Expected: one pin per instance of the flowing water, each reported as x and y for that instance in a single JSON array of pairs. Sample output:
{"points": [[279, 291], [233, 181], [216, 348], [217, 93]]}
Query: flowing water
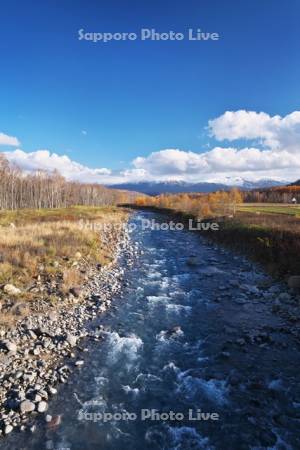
{"points": [[198, 342]]}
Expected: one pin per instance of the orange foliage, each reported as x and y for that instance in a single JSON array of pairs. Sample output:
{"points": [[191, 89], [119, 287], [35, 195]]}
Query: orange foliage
{"points": [[200, 205]]}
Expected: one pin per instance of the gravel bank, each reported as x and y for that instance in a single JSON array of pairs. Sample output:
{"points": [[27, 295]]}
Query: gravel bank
{"points": [[42, 350]]}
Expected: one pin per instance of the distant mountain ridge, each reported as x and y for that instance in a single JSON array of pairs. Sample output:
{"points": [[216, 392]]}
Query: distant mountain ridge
{"points": [[175, 187], [296, 183]]}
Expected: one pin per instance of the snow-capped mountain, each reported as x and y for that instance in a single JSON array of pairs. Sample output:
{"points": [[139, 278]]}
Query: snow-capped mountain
{"points": [[177, 186]]}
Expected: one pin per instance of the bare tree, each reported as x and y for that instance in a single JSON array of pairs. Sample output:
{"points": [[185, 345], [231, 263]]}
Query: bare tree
{"points": [[50, 190]]}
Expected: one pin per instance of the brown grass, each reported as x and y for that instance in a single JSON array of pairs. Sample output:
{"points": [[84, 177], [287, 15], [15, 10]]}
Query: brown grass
{"points": [[270, 221], [271, 239], [71, 278], [41, 246]]}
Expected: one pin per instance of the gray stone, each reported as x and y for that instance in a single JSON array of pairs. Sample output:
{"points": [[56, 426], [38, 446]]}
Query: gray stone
{"points": [[52, 390], [10, 289], [53, 316], [71, 340], [79, 363], [10, 346], [42, 406], [76, 291], [27, 406], [8, 429]]}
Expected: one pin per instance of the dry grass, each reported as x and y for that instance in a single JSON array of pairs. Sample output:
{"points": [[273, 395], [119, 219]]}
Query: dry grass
{"points": [[71, 278], [43, 245], [23, 248], [72, 214], [266, 234], [270, 221]]}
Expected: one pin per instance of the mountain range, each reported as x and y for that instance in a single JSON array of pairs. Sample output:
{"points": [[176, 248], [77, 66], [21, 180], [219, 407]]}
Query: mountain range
{"points": [[175, 187]]}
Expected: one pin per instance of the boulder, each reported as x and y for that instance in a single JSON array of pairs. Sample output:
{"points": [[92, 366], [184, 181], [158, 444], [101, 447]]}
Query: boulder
{"points": [[71, 339], [53, 316], [42, 406], [10, 346], [8, 429], [27, 406], [76, 291], [10, 289], [79, 363], [52, 390], [21, 309]]}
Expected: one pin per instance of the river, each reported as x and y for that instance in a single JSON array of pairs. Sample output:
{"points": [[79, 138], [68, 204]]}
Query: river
{"points": [[191, 356]]}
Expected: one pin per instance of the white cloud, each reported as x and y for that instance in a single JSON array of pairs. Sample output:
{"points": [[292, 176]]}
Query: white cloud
{"points": [[8, 140], [275, 132], [274, 153], [44, 160], [171, 162], [252, 163]]}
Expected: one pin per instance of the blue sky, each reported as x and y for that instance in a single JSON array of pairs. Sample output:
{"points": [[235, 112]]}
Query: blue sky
{"points": [[104, 105]]}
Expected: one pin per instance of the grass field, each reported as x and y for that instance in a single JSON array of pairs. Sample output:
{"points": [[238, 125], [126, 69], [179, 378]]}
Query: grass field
{"points": [[270, 208], [49, 246], [75, 213], [270, 216], [270, 233]]}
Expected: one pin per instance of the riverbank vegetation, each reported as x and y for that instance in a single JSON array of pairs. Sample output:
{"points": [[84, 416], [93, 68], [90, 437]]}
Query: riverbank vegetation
{"points": [[270, 238], [214, 204], [46, 242], [43, 252], [269, 233]]}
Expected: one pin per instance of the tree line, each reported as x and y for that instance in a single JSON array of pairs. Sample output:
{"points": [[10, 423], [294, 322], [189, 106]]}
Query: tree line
{"points": [[278, 194], [200, 205], [50, 190]]}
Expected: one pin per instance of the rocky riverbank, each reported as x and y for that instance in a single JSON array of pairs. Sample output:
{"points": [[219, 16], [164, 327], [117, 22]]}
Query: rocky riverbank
{"points": [[41, 351]]}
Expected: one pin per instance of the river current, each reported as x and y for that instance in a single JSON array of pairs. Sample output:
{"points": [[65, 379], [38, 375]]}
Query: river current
{"points": [[191, 356]]}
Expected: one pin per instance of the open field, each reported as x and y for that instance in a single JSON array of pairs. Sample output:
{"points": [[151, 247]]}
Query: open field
{"points": [[270, 216], [48, 247], [267, 232], [270, 233], [270, 208], [75, 213]]}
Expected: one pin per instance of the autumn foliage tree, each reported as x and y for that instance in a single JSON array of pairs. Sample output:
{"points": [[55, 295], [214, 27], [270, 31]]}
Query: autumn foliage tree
{"points": [[200, 205]]}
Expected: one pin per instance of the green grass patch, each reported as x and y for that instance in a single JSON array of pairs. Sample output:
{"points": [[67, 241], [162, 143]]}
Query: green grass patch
{"points": [[271, 209]]}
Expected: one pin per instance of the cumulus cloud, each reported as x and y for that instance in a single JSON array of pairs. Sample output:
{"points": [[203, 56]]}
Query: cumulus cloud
{"points": [[44, 160], [171, 162], [275, 132], [8, 140], [273, 153], [251, 162]]}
